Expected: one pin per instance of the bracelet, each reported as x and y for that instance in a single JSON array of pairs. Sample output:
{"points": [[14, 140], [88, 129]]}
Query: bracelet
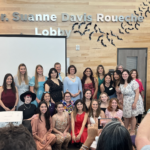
{"points": [[85, 146]]}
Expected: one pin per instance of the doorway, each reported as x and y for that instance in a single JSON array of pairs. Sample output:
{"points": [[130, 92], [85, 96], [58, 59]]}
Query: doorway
{"points": [[134, 58]]}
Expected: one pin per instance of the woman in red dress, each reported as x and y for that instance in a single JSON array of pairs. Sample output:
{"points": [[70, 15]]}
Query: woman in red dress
{"points": [[78, 121], [90, 82]]}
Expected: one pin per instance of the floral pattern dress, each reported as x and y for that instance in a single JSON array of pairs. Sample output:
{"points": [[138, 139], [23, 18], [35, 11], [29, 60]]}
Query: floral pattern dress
{"points": [[128, 99]]}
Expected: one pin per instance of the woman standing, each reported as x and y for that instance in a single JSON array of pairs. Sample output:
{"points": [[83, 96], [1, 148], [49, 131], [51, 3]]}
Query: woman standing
{"points": [[132, 101], [108, 87], [100, 78], [113, 109], [120, 67], [22, 81], [37, 84], [61, 124], [117, 79], [78, 121], [42, 128], [8, 94], [72, 84], [68, 103], [134, 75], [54, 86], [87, 98], [51, 106], [89, 82]]}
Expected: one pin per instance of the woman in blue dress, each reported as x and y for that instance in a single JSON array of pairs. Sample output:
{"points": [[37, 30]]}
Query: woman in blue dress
{"points": [[72, 84], [22, 82], [37, 84]]}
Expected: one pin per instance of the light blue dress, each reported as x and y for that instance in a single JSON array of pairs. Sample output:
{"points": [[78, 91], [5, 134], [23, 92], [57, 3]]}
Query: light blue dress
{"points": [[21, 89], [39, 91], [73, 87]]}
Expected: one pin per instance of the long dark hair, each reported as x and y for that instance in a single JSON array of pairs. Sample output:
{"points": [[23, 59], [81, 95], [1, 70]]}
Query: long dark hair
{"points": [[42, 98], [91, 77], [98, 111], [46, 115], [50, 72], [114, 136], [75, 111], [108, 74], [129, 78], [117, 82], [97, 73], [84, 99], [12, 84]]}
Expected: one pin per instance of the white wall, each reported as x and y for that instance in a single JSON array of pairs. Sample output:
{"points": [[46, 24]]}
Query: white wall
{"points": [[31, 51]]}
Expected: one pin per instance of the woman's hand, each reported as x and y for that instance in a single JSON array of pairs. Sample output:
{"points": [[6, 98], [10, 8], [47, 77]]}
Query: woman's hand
{"points": [[134, 106], [74, 138], [120, 121], [13, 109], [7, 109], [43, 141], [78, 137], [64, 134]]}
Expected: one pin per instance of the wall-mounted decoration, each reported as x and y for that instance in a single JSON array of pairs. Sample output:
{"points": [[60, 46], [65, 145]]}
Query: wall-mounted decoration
{"points": [[99, 38], [74, 25], [103, 43], [90, 35], [81, 24]]}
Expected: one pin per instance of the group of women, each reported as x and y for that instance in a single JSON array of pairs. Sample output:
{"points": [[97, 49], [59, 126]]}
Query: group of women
{"points": [[61, 111]]}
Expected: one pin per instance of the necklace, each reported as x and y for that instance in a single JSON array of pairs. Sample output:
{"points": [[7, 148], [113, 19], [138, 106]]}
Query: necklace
{"points": [[27, 107], [72, 77]]}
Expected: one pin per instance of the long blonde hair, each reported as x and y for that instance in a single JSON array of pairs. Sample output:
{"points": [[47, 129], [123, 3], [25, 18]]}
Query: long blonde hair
{"points": [[36, 78], [25, 75]]}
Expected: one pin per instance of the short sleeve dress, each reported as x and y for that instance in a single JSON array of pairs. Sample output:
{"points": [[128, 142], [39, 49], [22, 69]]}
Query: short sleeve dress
{"points": [[55, 90], [128, 99], [21, 89], [40, 89]]}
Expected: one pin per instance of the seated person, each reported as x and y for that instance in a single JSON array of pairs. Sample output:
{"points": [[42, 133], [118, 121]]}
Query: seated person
{"points": [[27, 108], [68, 103], [51, 106], [42, 128], [61, 124], [109, 140], [113, 109], [103, 101]]}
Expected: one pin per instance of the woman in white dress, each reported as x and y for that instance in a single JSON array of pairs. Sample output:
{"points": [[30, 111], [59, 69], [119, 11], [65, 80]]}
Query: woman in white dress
{"points": [[21, 81], [95, 113], [132, 100]]}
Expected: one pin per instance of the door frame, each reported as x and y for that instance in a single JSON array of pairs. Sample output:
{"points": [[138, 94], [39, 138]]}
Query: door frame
{"points": [[145, 88]]}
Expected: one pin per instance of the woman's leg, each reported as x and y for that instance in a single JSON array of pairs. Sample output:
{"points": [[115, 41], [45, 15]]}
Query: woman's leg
{"points": [[126, 122], [133, 123], [66, 141]]}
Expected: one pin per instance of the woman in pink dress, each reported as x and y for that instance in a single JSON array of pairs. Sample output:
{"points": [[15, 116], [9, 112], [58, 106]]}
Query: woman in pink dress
{"points": [[90, 82], [78, 123], [134, 75], [113, 109], [116, 79], [42, 128]]}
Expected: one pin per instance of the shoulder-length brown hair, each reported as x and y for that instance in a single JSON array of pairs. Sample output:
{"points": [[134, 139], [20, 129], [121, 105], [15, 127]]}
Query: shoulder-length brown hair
{"points": [[137, 75], [99, 100], [75, 111], [110, 103], [98, 111], [97, 73], [25, 75]]}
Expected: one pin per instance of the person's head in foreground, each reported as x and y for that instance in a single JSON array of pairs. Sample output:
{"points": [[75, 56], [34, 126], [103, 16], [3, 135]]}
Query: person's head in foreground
{"points": [[114, 137], [16, 138]]}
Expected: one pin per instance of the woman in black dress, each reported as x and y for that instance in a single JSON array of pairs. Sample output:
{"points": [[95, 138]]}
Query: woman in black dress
{"points": [[28, 109], [54, 86], [108, 86]]}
